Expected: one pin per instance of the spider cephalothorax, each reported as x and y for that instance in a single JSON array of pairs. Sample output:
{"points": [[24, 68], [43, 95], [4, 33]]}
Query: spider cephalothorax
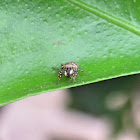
{"points": [[69, 70]]}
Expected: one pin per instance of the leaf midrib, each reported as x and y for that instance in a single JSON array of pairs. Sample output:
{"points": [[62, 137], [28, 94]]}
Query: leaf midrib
{"points": [[112, 19]]}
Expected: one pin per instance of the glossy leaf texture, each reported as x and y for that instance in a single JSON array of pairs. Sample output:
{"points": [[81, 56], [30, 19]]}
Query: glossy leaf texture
{"points": [[103, 37]]}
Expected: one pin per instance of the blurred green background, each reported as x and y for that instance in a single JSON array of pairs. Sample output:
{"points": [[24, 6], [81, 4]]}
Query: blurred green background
{"points": [[112, 99]]}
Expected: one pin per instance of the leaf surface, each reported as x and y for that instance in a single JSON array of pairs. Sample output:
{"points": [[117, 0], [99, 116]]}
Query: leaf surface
{"points": [[103, 37]]}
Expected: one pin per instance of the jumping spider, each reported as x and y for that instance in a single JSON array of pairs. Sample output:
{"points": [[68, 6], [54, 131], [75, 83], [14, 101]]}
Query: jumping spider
{"points": [[69, 70]]}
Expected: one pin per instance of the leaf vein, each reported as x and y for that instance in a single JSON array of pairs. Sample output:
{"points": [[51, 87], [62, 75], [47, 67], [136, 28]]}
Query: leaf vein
{"points": [[112, 19]]}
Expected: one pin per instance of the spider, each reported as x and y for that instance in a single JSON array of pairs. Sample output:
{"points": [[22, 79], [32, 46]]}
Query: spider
{"points": [[69, 70]]}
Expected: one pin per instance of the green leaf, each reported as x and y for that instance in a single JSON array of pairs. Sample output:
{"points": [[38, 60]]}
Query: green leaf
{"points": [[101, 36]]}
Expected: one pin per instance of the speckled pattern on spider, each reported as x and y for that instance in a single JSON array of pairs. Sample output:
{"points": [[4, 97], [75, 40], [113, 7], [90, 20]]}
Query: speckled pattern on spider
{"points": [[69, 70]]}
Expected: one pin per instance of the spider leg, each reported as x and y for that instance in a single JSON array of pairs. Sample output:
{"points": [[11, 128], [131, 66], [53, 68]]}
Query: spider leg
{"points": [[70, 80], [59, 74], [79, 76], [59, 77], [56, 68], [74, 79], [73, 76], [83, 71]]}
